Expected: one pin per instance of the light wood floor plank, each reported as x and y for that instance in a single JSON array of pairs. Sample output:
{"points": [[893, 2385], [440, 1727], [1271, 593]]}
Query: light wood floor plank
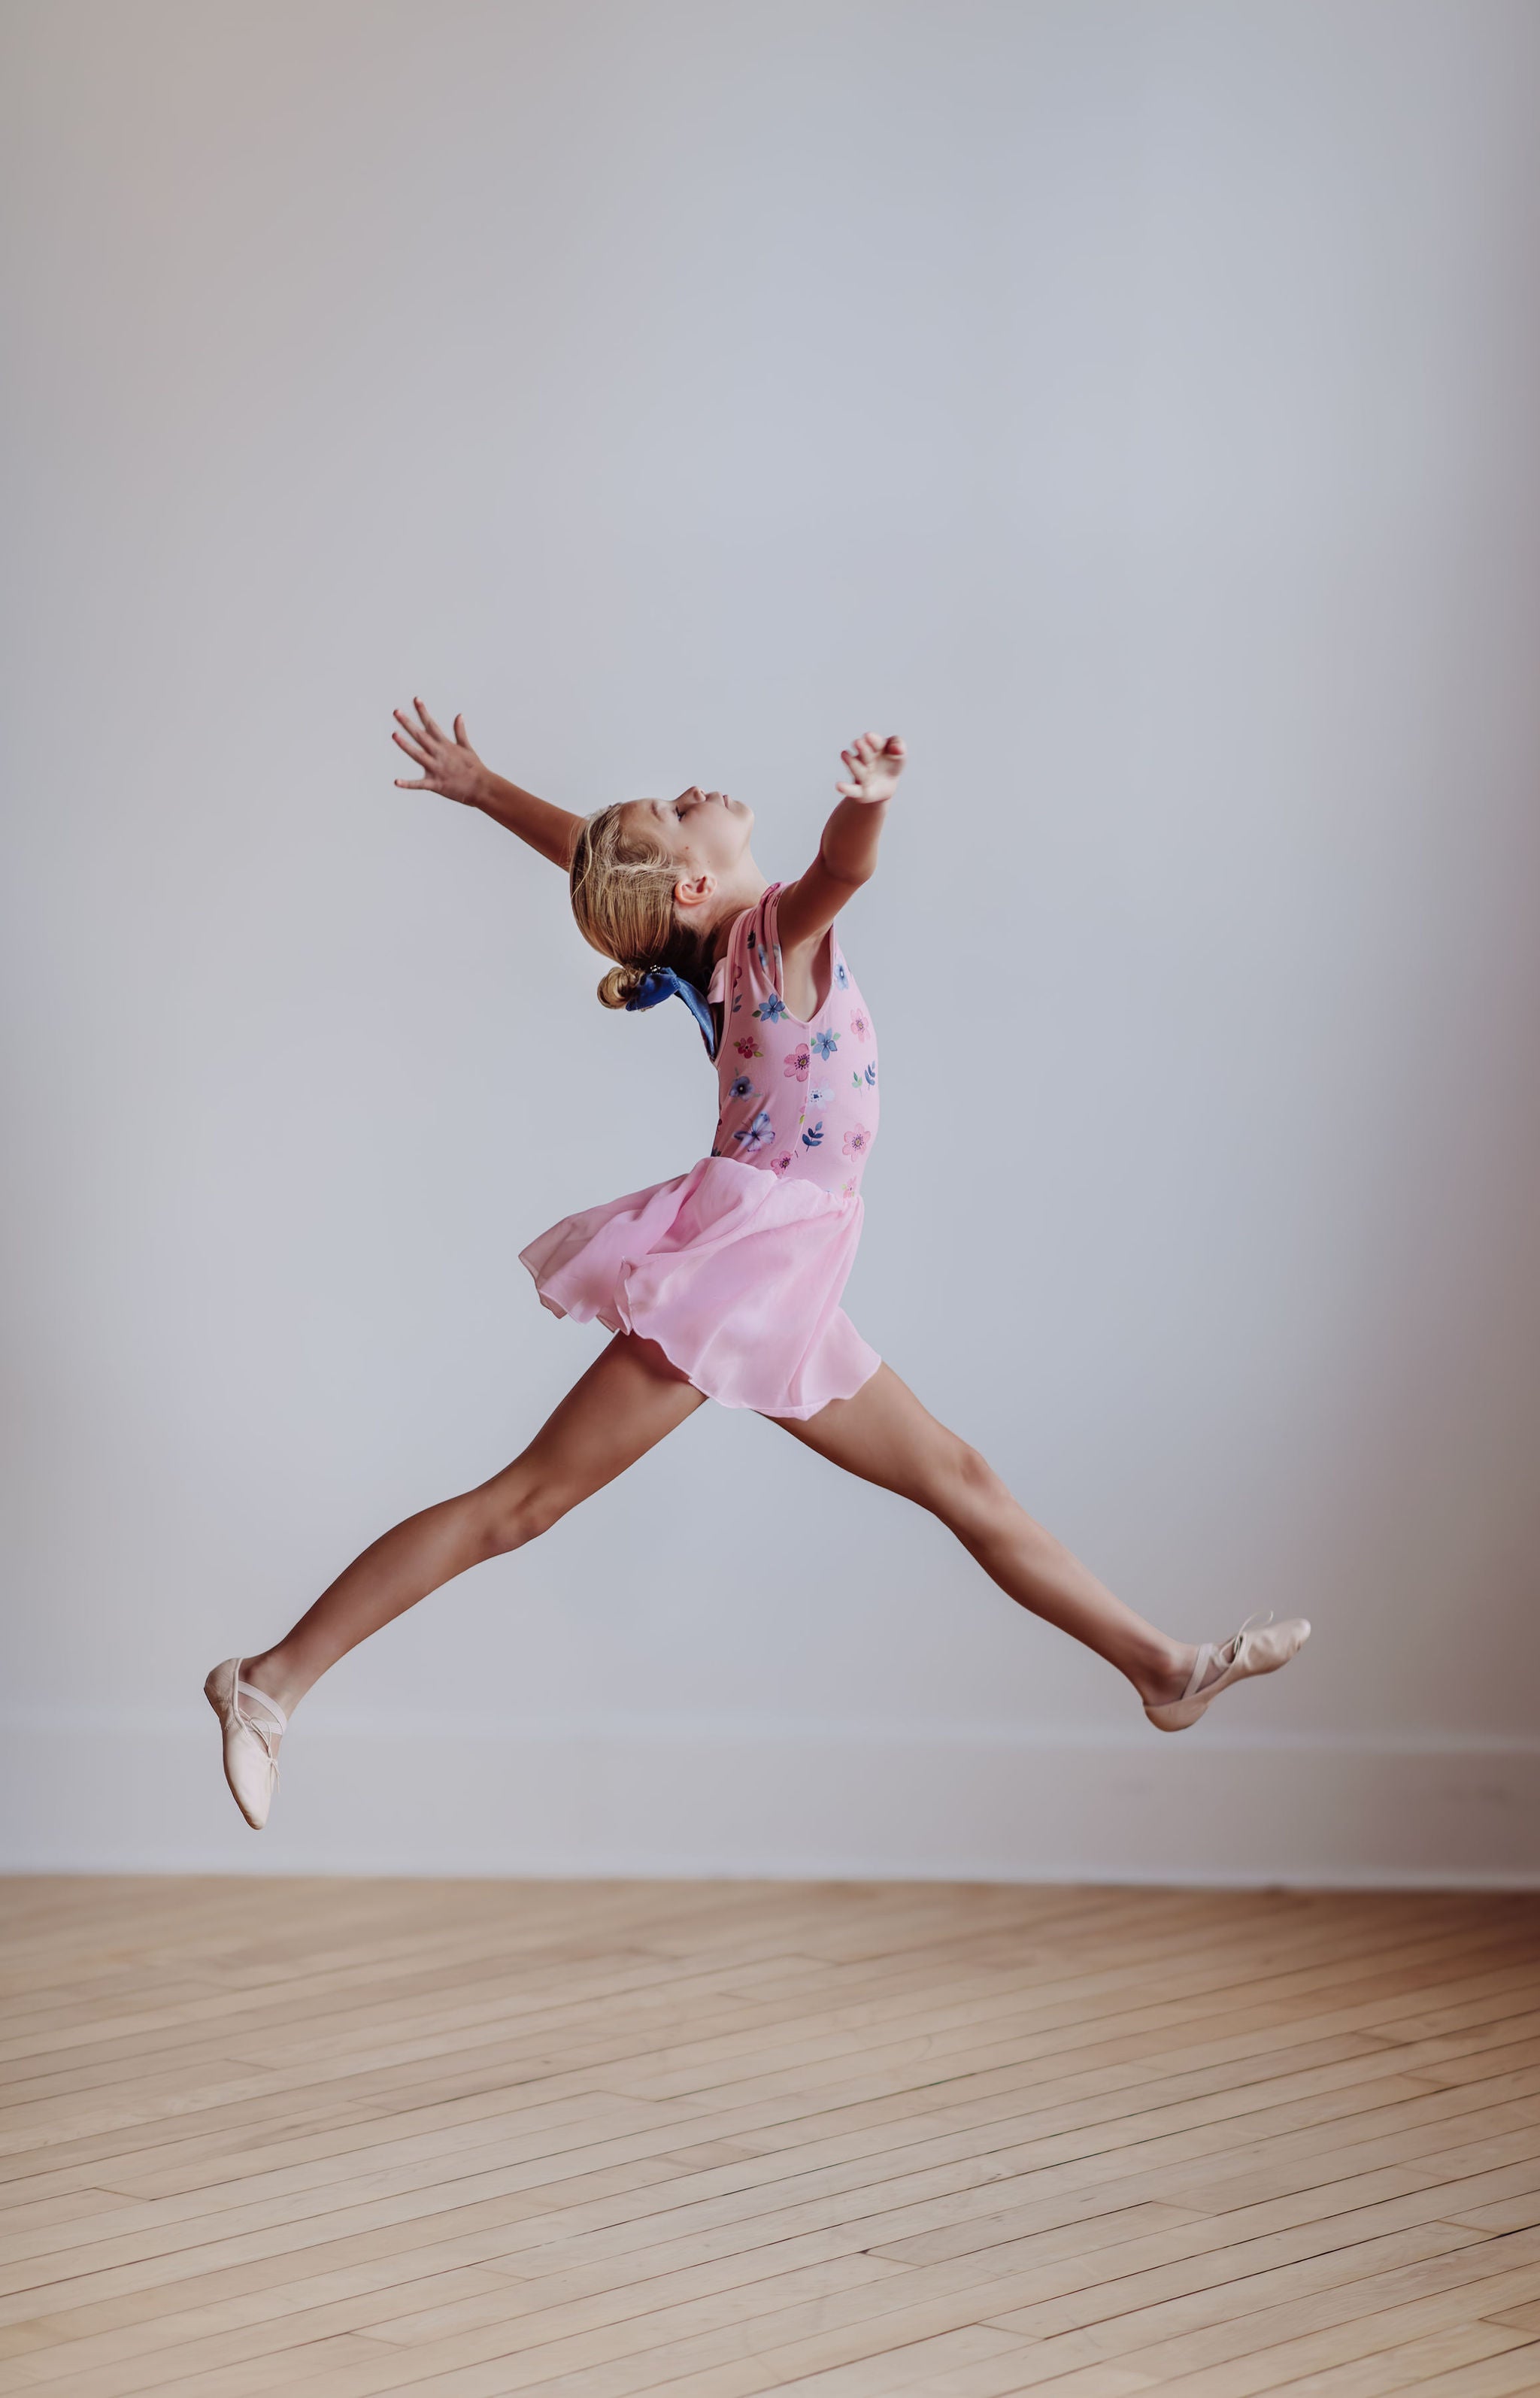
{"points": [[712, 2139]]}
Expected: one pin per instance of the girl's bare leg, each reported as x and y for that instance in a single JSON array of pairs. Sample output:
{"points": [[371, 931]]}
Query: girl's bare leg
{"points": [[623, 1405], [885, 1436]]}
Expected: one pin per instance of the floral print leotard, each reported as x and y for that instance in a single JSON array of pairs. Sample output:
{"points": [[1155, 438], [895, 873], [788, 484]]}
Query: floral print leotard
{"points": [[735, 1268], [798, 1098]]}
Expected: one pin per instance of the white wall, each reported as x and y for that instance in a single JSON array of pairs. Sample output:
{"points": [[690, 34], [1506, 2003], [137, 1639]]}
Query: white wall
{"points": [[1132, 404]]}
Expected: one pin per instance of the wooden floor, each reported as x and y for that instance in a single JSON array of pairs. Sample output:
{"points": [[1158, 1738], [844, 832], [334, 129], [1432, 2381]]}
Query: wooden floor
{"points": [[707, 2139]]}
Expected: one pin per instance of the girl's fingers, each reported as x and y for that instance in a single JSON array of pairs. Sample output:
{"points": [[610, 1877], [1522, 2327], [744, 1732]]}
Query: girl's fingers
{"points": [[414, 749], [460, 733], [427, 717], [866, 751]]}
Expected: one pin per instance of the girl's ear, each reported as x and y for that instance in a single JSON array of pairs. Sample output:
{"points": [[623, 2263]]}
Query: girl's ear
{"points": [[693, 891]]}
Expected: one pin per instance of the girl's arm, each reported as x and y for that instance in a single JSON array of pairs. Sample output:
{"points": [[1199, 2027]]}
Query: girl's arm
{"points": [[454, 770], [847, 853]]}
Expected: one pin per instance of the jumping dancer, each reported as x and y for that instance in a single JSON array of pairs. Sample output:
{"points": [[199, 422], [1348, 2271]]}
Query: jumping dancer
{"points": [[723, 1283]]}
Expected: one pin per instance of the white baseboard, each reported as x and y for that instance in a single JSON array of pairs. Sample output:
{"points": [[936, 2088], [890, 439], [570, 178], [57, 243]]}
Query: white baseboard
{"points": [[80, 1793]]}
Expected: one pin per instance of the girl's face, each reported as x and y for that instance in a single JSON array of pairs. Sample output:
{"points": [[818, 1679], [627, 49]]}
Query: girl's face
{"points": [[707, 834]]}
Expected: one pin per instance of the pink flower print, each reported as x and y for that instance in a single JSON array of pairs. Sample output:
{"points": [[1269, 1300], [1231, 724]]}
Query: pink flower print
{"points": [[779, 1165], [748, 1047], [857, 1140], [860, 1026], [798, 1060], [847, 1190]]}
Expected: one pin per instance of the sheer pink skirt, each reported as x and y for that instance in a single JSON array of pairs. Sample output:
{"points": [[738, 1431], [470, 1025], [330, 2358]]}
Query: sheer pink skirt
{"points": [[734, 1272]]}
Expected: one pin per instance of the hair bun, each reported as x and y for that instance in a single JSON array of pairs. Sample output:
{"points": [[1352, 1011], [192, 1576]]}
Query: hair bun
{"points": [[619, 985]]}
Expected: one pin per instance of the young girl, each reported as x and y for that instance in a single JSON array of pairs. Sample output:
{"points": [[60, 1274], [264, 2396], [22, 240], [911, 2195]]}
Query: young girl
{"points": [[723, 1283]]}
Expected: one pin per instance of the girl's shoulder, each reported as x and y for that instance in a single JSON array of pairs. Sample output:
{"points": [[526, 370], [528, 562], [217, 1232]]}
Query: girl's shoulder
{"points": [[766, 992], [749, 973], [752, 954]]}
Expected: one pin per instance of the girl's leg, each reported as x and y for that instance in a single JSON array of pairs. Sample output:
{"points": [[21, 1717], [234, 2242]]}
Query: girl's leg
{"points": [[630, 1397], [886, 1437]]}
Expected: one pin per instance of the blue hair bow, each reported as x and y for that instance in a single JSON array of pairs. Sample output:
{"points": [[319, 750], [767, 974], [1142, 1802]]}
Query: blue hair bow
{"points": [[661, 982]]}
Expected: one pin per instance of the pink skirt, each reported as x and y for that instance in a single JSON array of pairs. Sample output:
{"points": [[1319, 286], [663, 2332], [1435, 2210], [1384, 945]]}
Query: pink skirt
{"points": [[736, 1274]]}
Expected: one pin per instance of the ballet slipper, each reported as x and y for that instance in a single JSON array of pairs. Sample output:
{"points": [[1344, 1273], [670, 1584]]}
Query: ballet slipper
{"points": [[1260, 1646], [251, 1747]]}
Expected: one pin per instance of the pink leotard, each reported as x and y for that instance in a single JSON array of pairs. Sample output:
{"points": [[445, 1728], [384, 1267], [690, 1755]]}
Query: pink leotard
{"points": [[735, 1268]]}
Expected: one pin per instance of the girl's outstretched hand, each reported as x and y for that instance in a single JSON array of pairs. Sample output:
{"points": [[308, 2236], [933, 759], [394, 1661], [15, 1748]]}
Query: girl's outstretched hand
{"points": [[452, 768], [874, 767]]}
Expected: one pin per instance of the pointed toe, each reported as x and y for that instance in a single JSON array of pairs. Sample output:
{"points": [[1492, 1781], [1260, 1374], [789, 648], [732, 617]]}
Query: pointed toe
{"points": [[250, 1774], [1260, 1646], [250, 1761]]}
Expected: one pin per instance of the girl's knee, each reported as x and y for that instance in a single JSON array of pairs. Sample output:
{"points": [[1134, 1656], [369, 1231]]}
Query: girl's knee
{"points": [[513, 1521], [970, 1497]]}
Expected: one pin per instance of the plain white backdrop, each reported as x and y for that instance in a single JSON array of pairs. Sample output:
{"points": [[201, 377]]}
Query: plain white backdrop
{"points": [[1131, 404]]}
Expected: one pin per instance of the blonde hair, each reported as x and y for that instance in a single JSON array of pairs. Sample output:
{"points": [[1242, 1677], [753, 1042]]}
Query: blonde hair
{"points": [[623, 899]]}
